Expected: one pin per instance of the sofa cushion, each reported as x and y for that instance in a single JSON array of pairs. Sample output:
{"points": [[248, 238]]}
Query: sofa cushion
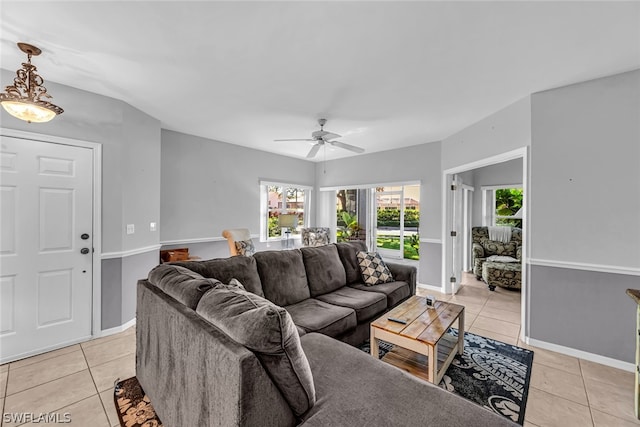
{"points": [[354, 388], [325, 272], [348, 251], [180, 283], [373, 269], [367, 305], [395, 291], [283, 277], [318, 316], [224, 269], [269, 332]]}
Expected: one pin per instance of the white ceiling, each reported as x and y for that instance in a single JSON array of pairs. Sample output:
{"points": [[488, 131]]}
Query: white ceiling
{"points": [[385, 74]]}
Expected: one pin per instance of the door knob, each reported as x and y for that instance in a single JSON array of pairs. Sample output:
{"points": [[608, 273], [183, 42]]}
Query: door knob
{"points": [[84, 251], [84, 236]]}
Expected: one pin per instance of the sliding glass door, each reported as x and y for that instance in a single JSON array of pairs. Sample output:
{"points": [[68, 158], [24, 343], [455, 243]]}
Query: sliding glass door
{"points": [[397, 221]]}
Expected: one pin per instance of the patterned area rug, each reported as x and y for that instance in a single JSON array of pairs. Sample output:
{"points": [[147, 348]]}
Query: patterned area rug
{"points": [[490, 373], [133, 406]]}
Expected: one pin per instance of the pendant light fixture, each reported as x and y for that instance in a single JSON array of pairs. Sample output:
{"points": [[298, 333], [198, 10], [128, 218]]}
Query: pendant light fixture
{"points": [[23, 99]]}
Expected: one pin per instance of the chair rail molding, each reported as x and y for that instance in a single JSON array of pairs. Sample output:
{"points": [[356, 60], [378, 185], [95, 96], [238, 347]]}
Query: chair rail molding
{"points": [[602, 268]]}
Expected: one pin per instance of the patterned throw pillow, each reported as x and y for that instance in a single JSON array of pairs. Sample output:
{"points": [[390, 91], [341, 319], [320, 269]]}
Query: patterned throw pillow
{"points": [[374, 270], [245, 247]]}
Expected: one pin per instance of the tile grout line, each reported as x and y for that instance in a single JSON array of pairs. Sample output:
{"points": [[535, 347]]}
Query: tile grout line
{"points": [[104, 409], [4, 396], [586, 393]]}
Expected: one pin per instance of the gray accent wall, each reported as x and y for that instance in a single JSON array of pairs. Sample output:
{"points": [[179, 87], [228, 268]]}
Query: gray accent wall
{"points": [[431, 268], [207, 186], [584, 310], [111, 293], [585, 201]]}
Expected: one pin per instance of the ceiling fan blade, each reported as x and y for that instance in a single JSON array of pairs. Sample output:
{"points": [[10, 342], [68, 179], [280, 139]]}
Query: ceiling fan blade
{"points": [[347, 146], [297, 139], [313, 151]]}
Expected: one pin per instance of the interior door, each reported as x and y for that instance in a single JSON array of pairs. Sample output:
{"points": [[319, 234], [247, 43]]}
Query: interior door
{"points": [[457, 233], [45, 246]]}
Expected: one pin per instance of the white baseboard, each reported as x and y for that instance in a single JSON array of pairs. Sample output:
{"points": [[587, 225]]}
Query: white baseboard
{"points": [[116, 330], [591, 357], [430, 287]]}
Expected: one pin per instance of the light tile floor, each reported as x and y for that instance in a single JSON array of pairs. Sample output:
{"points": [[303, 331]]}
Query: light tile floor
{"points": [[564, 391]]}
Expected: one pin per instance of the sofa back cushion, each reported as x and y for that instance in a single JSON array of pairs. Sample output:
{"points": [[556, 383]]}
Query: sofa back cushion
{"points": [[348, 251], [180, 283], [269, 332], [283, 277], [325, 272], [224, 269]]}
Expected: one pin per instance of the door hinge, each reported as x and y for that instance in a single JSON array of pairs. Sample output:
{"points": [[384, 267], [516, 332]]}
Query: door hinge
{"points": [[454, 187], [454, 234]]}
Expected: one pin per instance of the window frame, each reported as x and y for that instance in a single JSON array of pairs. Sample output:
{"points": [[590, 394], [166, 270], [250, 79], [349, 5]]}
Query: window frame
{"points": [[264, 207]]}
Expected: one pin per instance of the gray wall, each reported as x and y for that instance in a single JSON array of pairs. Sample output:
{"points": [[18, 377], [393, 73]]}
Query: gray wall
{"points": [[501, 132], [130, 175], [415, 163], [207, 186], [585, 188]]}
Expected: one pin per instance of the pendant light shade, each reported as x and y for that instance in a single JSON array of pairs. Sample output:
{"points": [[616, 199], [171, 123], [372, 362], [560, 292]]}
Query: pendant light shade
{"points": [[23, 99]]}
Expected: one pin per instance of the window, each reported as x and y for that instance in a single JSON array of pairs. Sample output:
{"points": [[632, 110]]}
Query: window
{"points": [[504, 205], [280, 199], [350, 209]]}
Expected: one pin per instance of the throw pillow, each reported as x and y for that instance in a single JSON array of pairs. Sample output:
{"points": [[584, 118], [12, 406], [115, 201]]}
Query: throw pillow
{"points": [[245, 247], [373, 269], [268, 331], [501, 258]]}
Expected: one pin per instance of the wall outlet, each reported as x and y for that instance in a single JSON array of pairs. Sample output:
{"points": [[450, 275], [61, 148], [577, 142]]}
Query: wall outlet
{"points": [[152, 226], [131, 228]]}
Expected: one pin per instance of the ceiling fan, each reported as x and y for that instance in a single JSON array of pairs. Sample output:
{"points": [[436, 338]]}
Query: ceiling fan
{"points": [[322, 137]]}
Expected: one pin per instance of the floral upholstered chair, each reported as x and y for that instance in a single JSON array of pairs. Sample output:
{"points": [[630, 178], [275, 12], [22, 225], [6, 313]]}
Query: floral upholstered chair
{"points": [[316, 236], [503, 259]]}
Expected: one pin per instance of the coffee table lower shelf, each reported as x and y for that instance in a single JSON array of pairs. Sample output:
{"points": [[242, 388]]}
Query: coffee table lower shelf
{"points": [[418, 364]]}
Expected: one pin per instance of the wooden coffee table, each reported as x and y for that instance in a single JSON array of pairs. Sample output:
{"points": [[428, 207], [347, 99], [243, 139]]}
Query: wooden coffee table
{"points": [[422, 338]]}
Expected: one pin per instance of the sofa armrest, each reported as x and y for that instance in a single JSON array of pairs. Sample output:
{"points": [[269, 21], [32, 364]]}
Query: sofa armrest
{"points": [[519, 253], [194, 374], [478, 250], [405, 273]]}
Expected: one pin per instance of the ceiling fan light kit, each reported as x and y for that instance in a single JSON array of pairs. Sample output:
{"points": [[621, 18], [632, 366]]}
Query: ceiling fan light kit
{"points": [[322, 137], [23, 99]]}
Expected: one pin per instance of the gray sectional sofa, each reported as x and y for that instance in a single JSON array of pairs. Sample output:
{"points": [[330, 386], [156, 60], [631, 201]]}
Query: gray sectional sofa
{"points": [[264, 341]]}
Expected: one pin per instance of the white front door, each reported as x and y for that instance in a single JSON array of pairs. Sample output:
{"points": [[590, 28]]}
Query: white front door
{"points": [[46, 246]]}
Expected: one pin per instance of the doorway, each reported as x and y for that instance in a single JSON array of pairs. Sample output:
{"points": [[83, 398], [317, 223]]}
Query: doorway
{"points": [[454, 232], [48, 235]]}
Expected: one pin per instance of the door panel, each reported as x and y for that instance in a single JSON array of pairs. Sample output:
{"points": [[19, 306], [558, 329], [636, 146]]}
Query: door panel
{"points": [[45, 281]]}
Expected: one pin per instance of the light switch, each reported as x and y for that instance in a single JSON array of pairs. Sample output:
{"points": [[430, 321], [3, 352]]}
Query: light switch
{"points": [[131, 228], [152, 226]]}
